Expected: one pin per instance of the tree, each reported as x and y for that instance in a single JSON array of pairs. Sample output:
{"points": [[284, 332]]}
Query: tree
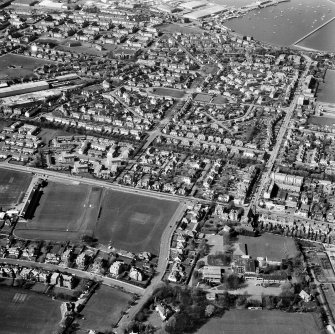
{"points": [[233, 282], [241, 301]]}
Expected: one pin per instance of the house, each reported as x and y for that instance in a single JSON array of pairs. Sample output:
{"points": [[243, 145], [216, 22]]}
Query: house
{"points": [[116, 268], [163, 311], [81, 260], [135, 274], [305, 296], [211, 274]]}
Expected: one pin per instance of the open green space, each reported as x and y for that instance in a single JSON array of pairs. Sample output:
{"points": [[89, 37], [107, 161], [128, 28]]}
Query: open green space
{"points": [[261, 321], [13, 186], [273, 247], [26, 312], [133, 222], [4, 123], [17, 67], [173, 27], [65, 212], [103, 309], [176, 93], [320, 120], [127, 221]]}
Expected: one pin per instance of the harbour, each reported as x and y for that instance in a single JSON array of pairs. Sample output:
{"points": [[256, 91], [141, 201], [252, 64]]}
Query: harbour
{"points": [[287, 23]]}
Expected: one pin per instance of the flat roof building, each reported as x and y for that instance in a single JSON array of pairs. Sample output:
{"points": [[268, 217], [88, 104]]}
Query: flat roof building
{"points": [[24, 88], [207, 11], [194, 4]]}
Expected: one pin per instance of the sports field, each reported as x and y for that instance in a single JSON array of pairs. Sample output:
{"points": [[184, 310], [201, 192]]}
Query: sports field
{"points": [[261, 321], [16, 66], [103, 309], [13, 186], [128, 221], [26, 312], [65, 212], [133, 222], [274, 247]]}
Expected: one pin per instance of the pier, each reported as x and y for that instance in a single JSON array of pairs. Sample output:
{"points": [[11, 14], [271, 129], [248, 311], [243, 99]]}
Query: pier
{"points": [[313, 31]]}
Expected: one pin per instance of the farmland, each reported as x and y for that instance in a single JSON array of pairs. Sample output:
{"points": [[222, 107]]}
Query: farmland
{"points": [[259, 321], [13, 186], [23, 311], [104, 309], [133, 222], [15, 66], [64, 212]]}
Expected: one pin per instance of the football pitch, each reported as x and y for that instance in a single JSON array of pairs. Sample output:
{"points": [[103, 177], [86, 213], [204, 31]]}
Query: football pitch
{"points": [[13, 186], [23, 311], [127, 221], [65, 212]]}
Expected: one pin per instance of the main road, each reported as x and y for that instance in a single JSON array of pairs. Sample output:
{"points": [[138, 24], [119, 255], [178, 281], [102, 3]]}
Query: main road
{"points": [[270, 163], [80, 273], [46, 173]]}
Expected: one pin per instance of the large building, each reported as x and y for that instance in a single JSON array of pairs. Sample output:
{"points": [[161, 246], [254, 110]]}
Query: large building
{"points": [[205, 12], [24, 88], [194, 4], [287, 181]]}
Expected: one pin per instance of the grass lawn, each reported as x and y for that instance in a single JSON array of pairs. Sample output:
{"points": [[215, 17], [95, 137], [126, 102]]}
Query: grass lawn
{"points": [[4, 123], [176, 93], [261, 321], [69, 210], [203, 97], [321, 120], [24, 66], [173, 27], [13, 186], [65, 212], [104, 308], [220, 99], [274, 247], [48, 134], [133, 222], [26, 312]]}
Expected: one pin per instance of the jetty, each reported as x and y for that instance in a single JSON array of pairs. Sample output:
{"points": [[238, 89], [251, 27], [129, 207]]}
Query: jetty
{"points": [[313, 31]]}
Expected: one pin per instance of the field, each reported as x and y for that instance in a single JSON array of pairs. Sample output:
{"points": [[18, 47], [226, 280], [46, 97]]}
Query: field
{"points": [[176, 93], [24, 66], [321, 120], [103, 309], [172, 27], [4, 123], [326, 90], [65, 212], [23, 311], [133, 222], [13, 186], [272, 246], [259, 321]]}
